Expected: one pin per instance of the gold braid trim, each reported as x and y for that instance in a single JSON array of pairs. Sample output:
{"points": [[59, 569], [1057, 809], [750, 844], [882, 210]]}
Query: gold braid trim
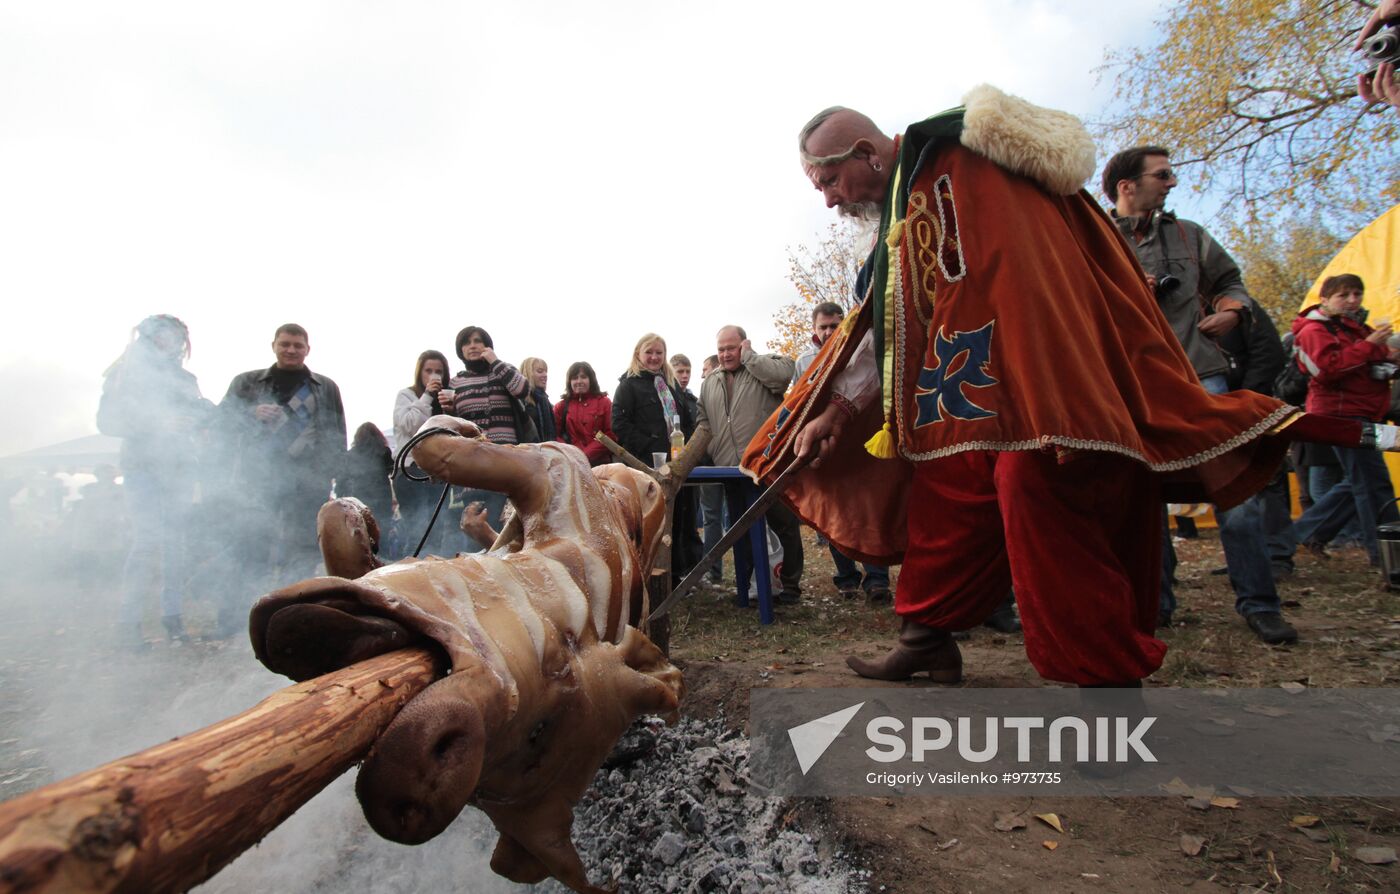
{"points": [[1278, 429], [1259, 429]]}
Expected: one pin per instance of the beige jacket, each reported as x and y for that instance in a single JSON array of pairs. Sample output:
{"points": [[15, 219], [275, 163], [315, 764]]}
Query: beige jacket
{"points": [[735, 404]]}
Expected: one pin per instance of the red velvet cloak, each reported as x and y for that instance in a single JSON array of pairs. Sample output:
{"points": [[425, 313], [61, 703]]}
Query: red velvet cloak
{"points": [[1020, 320]]}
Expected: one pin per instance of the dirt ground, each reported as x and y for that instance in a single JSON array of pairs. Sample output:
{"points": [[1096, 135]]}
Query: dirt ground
{"points": [[1349, 631]]}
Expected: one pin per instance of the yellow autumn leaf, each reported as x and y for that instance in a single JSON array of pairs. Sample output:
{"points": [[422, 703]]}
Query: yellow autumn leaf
{"points": [[1257, 101], [1226, 803], [822, 272], [1305, 821], [1049, 845], [1050, 820]]}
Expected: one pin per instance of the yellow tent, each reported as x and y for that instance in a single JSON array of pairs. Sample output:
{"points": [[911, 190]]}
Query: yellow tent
{"points": [[1374, 255]]}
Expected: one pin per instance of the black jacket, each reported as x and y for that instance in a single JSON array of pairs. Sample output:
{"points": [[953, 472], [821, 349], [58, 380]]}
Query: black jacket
{"points": [[543, 412], [366, 477], [1258, 351], [638, 421], [692, 404], [261, 457]]}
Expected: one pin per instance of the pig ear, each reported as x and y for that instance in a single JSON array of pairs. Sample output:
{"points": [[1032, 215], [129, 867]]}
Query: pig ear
{"points": [[349, 538], [307, 640], [511, 860], [543, 829]]}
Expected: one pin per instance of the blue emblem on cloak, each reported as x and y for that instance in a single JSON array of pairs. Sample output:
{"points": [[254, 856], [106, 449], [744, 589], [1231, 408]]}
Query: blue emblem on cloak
{"points": [[939, 391]]}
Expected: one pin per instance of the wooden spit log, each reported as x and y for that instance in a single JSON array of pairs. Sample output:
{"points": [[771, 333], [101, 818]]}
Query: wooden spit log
{"points": [[169, 817]]}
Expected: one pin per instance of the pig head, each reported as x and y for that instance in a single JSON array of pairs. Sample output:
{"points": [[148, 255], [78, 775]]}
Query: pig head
{"points": [[545, 668]]}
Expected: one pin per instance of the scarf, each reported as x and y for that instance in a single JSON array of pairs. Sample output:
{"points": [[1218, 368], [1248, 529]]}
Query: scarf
{"points": [[668, 401]]}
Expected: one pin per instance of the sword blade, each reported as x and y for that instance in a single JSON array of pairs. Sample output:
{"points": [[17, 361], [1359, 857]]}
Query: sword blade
{"points": [[739, 529]]}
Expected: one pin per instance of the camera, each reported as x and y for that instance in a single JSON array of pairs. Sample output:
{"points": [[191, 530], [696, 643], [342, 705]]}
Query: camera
{"points": [[1166, 285], [1384, 371], [1383, 46]]}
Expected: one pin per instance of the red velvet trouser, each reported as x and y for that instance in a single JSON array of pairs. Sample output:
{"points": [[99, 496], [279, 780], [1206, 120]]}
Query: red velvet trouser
{"points": [[1080, 541]]}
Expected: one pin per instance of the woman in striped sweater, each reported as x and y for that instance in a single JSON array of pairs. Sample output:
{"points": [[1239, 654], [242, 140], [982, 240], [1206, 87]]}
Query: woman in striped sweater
{"points": [[482, 393]]}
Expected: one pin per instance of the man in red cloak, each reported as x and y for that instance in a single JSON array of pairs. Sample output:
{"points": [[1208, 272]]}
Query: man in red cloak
{"points": [[1032, 407]]}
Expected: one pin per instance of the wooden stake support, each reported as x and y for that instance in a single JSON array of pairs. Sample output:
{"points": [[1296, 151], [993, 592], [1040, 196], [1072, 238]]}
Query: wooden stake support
{"points": [[671, 477]]}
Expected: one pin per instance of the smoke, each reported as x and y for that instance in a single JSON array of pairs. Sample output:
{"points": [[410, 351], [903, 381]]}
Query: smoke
{"points": [[327, 847], [123, 615], [75, 700], [123, 612]]}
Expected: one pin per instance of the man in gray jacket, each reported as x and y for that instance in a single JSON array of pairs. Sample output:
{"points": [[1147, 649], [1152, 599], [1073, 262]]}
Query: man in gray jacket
{"points": [[734, 401], [1201, 292]]}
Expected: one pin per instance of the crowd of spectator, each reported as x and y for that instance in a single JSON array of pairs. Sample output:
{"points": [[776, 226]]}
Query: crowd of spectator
{"points": [[267, 456], [248, 475]]}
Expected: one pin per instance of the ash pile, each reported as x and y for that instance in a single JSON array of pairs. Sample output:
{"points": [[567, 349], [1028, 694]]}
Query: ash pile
{"points": [[672, 810]]}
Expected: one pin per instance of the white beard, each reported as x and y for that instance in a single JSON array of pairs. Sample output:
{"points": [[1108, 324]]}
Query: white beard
{"points": [[860, 211]]}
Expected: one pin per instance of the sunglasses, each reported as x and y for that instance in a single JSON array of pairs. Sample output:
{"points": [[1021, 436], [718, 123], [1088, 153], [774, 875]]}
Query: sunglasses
{"points": [[1163, 175]]}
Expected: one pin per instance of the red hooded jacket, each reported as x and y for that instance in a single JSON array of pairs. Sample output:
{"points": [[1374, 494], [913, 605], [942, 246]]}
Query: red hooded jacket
{"points": [[1339, 359]]}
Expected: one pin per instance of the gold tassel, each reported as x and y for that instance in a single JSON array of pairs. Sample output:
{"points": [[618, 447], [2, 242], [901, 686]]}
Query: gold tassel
{"points": [[881, 445], [896, 233]]}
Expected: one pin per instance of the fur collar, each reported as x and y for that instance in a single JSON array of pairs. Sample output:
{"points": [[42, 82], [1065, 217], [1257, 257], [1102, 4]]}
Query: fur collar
{"points": [[1051, 147]]}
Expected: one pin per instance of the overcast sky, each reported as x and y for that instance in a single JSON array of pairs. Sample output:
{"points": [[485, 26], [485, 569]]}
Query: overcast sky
{"points": [[567, 175]]}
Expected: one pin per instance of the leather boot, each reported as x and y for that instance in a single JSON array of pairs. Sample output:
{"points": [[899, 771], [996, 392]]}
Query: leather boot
{"points": [[920, 649]]}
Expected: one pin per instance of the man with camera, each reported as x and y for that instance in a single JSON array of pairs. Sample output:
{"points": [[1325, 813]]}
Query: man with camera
{"points": [[1383, 47], [1200, 291]]}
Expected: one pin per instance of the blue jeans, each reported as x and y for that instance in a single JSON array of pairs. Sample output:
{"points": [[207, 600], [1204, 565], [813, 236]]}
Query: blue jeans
{"points": [[712, 507], [877, 577], [1242, 536], [158, 506], [1247, 556], [1365, 491], [1321, 479], [1278, 520]]}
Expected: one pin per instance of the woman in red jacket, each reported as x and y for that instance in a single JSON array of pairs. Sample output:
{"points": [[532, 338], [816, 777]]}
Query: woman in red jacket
{"points": [[584, 411], [1351, 365]]}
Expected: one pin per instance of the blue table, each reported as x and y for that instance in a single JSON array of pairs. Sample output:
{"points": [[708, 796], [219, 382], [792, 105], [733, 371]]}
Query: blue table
{"points": [[758, 539]]}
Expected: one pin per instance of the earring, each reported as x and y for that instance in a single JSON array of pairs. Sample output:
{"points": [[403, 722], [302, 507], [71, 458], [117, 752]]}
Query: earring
{"points": [[877, 166]]}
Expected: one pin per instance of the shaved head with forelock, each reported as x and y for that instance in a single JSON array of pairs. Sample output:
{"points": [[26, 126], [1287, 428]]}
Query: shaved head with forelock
{"points": [[831, 136], [848, 160]]}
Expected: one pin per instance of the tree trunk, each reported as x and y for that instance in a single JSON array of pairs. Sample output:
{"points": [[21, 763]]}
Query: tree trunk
{"points": [[169, 817]]}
